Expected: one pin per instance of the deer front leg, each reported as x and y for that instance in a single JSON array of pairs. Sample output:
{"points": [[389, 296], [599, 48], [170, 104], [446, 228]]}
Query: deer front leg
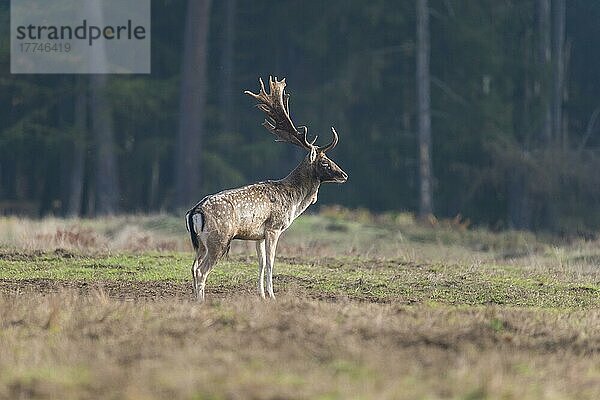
{"points": [[260, 251], [271, 239]]}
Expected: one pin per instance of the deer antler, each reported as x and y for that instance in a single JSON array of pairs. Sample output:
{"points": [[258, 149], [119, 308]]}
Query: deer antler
{"points": [[276, 105], [333, 143]]}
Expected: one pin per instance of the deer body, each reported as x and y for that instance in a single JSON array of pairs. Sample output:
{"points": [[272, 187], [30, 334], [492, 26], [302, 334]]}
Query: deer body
{"points": [[260, 212]]}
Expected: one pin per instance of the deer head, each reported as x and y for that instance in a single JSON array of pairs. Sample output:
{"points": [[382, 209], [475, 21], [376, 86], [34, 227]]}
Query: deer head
{"points": [[275, 105]]}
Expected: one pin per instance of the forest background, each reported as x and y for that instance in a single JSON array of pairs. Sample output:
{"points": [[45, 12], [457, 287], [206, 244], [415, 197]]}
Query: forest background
{"points": [[510, 89]]}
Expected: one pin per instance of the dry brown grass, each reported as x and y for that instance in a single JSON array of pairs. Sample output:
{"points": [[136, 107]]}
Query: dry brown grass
{"points": [[69, 345], [133, 233], [369, 307]]}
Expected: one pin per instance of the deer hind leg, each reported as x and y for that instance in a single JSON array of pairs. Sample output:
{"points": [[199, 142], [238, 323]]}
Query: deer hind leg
{"points": [[215, 248], [271, 239], [201, 252], [260, 251], [203, 270]]}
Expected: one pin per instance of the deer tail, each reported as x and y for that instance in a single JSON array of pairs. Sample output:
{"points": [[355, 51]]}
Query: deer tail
{"points": [[191, 219]]}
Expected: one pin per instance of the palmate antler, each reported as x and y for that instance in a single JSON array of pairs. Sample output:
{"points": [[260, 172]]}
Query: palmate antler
{"points": [[276, 105]]}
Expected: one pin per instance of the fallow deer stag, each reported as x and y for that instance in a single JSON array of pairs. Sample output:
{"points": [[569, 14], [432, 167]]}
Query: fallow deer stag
{"points": [[261, 211]]}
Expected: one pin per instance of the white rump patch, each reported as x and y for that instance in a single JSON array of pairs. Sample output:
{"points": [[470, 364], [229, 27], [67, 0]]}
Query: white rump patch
{"points": [[197, 218]]}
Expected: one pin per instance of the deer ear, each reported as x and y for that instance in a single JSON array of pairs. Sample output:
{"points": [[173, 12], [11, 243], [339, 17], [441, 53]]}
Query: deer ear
{"points": [[313, 154]]}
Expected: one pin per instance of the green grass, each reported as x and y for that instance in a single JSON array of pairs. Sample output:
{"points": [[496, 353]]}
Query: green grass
{"points": [[352, 277]]}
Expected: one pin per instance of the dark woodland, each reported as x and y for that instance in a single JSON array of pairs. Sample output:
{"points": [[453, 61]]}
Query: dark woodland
{"points": [[483, 110]]}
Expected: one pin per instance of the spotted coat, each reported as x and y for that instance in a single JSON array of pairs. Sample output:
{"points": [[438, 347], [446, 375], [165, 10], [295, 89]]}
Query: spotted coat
{"points": [[259, 212]]}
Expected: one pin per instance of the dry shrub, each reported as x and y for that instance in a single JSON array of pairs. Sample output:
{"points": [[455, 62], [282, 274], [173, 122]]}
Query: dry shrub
{"points": [[132, 238], [128, 233], [458, 223], [365, 216], [342, 213], [70, 237], [317, 249]]}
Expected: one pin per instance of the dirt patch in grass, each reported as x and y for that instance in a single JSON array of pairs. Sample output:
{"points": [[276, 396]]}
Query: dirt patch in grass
{"points": [[157, 290], [34, 255], [15, 255], [115, 289]]}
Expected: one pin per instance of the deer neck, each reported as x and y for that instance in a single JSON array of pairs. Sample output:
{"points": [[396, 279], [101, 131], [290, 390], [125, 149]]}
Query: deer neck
{"points": [[303, 185]]}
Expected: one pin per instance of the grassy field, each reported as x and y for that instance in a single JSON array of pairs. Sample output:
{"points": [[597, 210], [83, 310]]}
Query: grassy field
{"points": [[369, 307]]}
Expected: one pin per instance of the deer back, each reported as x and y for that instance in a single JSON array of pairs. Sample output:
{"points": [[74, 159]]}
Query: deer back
{"points": [[245, 213]]}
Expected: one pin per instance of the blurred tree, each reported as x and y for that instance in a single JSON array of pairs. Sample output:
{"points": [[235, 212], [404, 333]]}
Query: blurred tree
{"points": [[106, 168], [424, 111], [106, 180], [558, 73], [544, 58], [227, 67], [192, 104], [75, 191]]}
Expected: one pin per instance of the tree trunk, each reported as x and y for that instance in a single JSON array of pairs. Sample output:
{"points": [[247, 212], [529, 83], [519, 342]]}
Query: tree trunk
{"points": [[558, 44], [519, 200], [227, 65], [192, 104], [106, 179], [424, 110], [78, 167], [154, 183], [64, 123], [544, 59], [107, 188]]}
